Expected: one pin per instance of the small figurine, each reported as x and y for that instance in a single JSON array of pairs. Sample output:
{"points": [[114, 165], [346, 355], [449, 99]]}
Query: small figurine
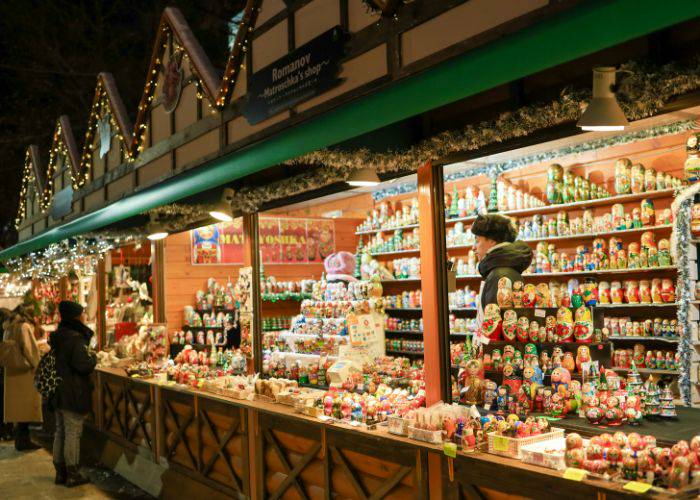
{"points": [[504, 295]]}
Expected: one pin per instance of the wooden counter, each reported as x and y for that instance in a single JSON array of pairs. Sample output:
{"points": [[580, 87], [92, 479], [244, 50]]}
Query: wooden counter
{"points": [[256, 449]]}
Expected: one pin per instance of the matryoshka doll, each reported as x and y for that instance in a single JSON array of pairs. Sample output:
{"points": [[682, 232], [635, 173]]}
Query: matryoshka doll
{"points": [[649, 179], [568, 361], [692, 163], [648, 213], [565, 325], [510, 325], [604, 292], [695, 219], [638, 356], [583, 355], [618, 217], [555, 183], [568, 189], [664, 252], [510, 378], [551, 329], [523, 329], [504, 296], [534, 332], [637, 178], [622, 176], [656, 297], [529, 295], [632, 292], [542, 298], [492, 324], [518, 294], [561, 378], [583, 328], [644, 292], [668, 291], [633, 255]]}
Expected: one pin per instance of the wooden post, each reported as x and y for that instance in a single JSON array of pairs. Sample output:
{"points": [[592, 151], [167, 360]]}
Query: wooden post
{"points": [[101, 303], [158, 276], [64, 288], [433, 264], [251, 257]]}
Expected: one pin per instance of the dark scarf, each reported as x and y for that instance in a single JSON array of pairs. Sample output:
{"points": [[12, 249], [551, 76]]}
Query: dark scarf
{"points": [[78, 326]]}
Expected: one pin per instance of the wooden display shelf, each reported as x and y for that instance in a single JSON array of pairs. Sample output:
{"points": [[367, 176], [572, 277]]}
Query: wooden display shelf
{"points": [[400, 280], [548, 209], [580, 236], [384, 230], [637, 306], [577, 205], [408, 251], [392, 352], [586, 273], [670, 340], [404, 332], [191, 328], [547, 344], [652, 371], [403, 309]]}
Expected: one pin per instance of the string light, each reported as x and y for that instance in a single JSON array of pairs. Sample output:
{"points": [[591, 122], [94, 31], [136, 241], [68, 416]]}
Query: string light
{"points": [[28, 180], [101, 105]]}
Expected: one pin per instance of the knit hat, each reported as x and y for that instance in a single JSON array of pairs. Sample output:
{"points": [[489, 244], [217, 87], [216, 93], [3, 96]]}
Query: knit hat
{"points": [[340, 266], [70, 310]]}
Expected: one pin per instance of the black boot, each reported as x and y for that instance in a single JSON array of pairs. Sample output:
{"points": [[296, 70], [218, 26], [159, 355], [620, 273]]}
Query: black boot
{"points": [[61, 473], [74, 478], [23, 443]]}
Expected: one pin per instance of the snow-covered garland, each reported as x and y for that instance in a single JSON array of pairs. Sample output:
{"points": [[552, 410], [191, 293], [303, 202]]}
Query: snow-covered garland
{"points": [[680, 243]]}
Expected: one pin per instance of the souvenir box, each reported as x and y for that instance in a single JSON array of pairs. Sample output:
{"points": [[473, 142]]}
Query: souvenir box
{"points": [[399, 425], [548, 454], [512, 446]]}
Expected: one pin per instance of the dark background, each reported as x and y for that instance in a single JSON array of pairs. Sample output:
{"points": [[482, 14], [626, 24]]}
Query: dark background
{"points": [[50, 54]]}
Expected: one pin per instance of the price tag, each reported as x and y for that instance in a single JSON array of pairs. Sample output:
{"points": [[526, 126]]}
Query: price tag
{"points": [[575, 474], [500, 443], [540, 313], [637, 487], [450, 449]]}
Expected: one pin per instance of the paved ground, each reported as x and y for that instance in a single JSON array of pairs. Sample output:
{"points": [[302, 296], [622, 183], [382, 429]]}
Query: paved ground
{"points": [[30, 475]]}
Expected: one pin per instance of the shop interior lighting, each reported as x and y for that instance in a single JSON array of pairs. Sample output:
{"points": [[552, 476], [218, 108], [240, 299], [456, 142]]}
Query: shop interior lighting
{"points": [[156, 230], [363, 177], [222, 210], [603, 113]]}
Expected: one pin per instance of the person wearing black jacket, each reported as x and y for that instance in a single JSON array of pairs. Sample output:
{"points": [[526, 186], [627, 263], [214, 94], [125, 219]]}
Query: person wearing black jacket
{"points": [[499, 255], [72, 399]]}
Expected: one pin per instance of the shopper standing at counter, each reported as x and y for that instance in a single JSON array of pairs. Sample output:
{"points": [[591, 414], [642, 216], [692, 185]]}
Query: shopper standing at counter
{"points": [[22, 401], [500, 256], [72, 399]]}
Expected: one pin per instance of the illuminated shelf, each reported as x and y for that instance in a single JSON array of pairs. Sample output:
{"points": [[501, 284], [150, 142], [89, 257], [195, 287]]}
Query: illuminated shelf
{"points": [[670, 340], [648, 370]]}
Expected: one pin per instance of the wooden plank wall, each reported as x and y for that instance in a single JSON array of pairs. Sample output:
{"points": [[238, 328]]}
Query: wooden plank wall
{"points": [[182, 279]]}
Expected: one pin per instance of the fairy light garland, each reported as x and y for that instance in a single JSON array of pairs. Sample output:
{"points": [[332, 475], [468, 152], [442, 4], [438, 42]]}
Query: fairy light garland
{"points": [[28, 178], [101, 105], [235, 62]]}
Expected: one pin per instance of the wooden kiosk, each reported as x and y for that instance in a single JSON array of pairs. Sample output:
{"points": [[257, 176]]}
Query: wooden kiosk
{"points": [[400, 77]]}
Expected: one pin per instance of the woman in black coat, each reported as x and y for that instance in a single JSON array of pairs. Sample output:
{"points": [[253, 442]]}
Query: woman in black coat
{"points": [[72, 399]]}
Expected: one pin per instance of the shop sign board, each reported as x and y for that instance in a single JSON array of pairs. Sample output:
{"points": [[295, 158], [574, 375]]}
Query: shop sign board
{"points": [[302, 74], [283, 240], [62, 203]]}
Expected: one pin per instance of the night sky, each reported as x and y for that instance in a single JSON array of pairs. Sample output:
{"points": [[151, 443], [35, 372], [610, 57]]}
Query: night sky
{"points": [[50, 54]]}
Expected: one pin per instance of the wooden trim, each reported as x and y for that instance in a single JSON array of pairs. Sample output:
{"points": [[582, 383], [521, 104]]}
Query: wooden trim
{"points": [[251, 255], [158, 276], [101, 303]]}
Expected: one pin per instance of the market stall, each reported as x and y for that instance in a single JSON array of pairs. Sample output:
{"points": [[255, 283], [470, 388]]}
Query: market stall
{"points": [[323, 338]]}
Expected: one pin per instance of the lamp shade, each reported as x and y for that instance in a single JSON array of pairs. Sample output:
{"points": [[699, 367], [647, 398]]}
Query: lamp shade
{"points": [[603, 112], [156, 231], [363, 177], [221, 211]]}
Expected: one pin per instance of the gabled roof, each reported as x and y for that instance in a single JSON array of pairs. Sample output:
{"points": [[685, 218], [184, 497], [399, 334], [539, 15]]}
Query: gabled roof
{"points": [[32, 172], [238, 50], [174, 22], [63, 143], [106, 90]]}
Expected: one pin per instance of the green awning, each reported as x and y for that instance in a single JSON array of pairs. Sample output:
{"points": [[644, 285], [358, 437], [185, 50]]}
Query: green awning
{"points": [[587, 28]]}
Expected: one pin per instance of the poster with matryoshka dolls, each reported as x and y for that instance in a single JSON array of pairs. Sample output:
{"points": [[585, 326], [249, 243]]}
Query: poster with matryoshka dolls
{"points": [[206, 246]]}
